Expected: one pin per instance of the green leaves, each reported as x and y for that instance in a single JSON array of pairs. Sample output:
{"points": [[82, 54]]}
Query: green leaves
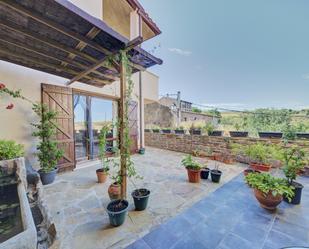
{"points": [[10, 149], [267, 183], [189, 163], [48, 152]]}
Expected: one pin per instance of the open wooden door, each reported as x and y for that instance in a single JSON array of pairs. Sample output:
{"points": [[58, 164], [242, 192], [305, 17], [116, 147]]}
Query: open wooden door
{"points": [[60, 99], [133, 125]]}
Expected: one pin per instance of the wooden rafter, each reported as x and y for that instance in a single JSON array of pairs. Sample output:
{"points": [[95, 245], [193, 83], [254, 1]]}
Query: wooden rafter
{"points": [[54, 25], [135, 42]]}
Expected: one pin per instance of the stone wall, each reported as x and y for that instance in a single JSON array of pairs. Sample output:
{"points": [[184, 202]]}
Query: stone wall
{"points": [[222, 145]]}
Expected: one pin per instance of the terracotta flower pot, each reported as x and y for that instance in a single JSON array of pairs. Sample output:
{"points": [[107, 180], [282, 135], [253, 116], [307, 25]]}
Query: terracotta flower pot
{"points": [[114, 191], [260, 167], [102, 175], [268, 201], [247, 171], [194, 176]]}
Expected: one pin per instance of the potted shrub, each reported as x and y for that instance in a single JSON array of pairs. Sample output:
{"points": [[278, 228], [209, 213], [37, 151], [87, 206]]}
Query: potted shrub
{"points": [[269, 190], [102, 172], [216, 174], [140, 197], [117, 212], [193, 169], [9, 152], [294, 162], [259, 155], [277, 135], [48, 152]]}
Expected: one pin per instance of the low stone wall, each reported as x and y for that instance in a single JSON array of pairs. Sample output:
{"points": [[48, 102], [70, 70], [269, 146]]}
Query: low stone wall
{"points": [[222, 145]]}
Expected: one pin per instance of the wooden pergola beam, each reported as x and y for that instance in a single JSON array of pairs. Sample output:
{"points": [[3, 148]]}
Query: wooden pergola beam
{"points": [[135, 42], [54, 25], [52, 66]]}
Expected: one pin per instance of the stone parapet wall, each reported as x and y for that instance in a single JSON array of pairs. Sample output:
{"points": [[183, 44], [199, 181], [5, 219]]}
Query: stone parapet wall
{"points": [[222, 145]]}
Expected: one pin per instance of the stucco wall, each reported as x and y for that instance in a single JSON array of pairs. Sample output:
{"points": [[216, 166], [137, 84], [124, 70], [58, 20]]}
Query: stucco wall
{"points": [[15, 124]]}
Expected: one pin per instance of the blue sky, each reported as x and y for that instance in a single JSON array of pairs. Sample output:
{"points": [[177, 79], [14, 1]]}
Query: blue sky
{"points": [[233, 53]]}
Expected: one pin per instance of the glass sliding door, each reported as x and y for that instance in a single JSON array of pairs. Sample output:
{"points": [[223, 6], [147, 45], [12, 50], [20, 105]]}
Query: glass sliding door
{"points": [[91, 113]]}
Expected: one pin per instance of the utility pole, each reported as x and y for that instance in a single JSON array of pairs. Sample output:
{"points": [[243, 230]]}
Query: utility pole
{"points": [[178, 106]]}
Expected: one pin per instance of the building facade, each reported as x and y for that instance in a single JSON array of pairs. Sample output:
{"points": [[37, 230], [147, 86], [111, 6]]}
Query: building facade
{"points": [[127, 18]]}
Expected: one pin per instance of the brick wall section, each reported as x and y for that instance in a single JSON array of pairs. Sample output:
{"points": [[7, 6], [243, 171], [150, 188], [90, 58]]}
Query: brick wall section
{"points": [[188, 143]]}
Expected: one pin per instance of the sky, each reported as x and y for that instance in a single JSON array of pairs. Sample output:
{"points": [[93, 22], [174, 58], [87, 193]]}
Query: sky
{"points": [[240, 54]]}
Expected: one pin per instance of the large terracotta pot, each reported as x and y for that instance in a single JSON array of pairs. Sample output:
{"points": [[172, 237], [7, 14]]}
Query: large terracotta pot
{"points": [[268, 201], [260, 167], [102, 175], [114, 191], [194, 176]]}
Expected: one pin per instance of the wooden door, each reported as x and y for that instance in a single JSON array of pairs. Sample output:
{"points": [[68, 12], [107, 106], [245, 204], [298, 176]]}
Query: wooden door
{"points": [[60, 99], [133, 125]]}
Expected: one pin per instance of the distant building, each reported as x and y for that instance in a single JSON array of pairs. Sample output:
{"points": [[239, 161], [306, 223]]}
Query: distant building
{"points": [[165, 113]]}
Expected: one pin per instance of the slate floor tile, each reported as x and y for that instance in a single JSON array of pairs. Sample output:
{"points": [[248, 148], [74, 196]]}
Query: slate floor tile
{"points": [[193, 216], [179, 225], [188, 243], [139, 244], [160, 238], [232, 241], [279, 240]]}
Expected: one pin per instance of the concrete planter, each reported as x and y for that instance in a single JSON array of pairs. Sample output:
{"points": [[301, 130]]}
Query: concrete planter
{"points": [[27, 239]]}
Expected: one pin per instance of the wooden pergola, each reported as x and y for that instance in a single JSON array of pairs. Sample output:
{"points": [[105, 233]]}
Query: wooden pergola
{"points": [[56, 37]]}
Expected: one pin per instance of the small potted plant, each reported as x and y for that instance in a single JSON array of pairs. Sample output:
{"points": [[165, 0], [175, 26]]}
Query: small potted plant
{"points": [[259, 155], [117, 211], [48, 152], [102, 172], [140, 197], [294, 162], [114, 190], [269, 190], [216, 174], [205, 172], [193, 169]]}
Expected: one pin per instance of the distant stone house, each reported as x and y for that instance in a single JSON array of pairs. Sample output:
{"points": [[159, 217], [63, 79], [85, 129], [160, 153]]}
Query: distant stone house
{"points": [[165, 114]]}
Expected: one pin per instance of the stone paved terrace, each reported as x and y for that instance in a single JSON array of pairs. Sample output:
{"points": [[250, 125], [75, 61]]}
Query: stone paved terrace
{"points": [[77, 203], [230, 218]]}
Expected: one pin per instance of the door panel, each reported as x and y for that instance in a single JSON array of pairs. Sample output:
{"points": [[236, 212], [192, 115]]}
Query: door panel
{"points": [[60, 99]]}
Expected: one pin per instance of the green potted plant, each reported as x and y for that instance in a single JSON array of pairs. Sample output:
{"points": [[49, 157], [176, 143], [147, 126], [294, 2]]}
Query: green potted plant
{"points": [[205, 172], [102, 172], [48, 152], [10, 151], [259, 155], [269, 190], [294, 160], [193, 169], [216, 174]]}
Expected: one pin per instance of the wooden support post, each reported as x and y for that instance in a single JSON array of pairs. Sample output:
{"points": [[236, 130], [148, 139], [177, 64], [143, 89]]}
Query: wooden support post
{"points": [[122, 124]]}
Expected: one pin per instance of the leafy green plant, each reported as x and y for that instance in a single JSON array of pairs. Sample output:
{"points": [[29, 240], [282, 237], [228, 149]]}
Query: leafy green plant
{"points": [[189, 163], [48, 151], [258, 152], [294, 159], [10, 149], [289, 132], [269, 184], [208, 128], [102, 146]]}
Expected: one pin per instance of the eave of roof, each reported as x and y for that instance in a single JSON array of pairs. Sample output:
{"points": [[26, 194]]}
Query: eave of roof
{"points": [[136, 5]]}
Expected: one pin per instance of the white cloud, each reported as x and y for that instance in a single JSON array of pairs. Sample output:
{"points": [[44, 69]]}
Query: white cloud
{"points": [[180, 51], [306, 76]]}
